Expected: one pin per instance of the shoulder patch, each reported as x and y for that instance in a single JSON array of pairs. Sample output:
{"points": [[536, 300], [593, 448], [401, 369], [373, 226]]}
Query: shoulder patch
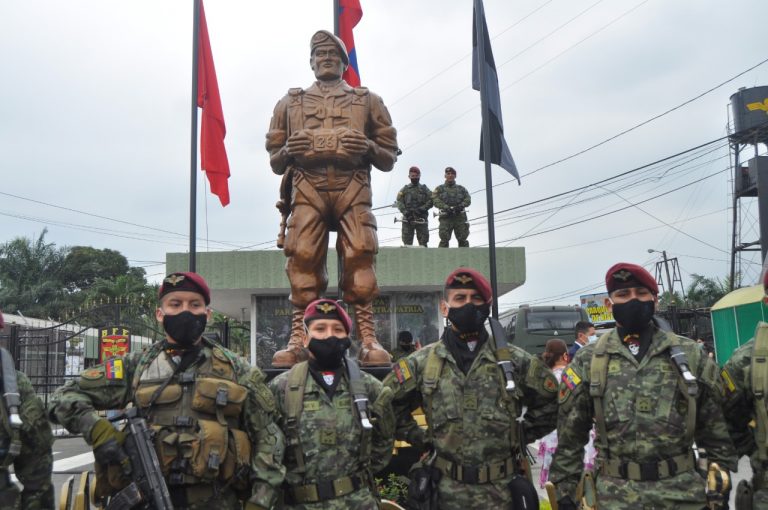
{"points": [[571, 379], [295, 91], [562, 397], [113, 368], [92, 374], [550, 383], [219, 354], [728, 380], [401, 371]]}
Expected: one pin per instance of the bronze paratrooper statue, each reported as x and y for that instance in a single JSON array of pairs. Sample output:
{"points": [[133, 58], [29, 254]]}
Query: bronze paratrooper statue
{"points": [[324, 140]]}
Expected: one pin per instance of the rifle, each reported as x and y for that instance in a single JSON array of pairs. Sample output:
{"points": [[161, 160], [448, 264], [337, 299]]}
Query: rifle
{"points": [[284, 205], [147, 490]]}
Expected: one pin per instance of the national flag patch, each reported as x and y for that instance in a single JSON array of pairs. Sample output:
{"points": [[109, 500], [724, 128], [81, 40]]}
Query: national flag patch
{"points": [[401, 371], [571, 379], [730, 386], [113, 368]]}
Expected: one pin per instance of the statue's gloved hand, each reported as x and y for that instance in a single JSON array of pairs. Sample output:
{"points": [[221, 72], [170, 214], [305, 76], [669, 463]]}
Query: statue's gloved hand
{"points": [[107, 445], [355, 142], [298, 143]]}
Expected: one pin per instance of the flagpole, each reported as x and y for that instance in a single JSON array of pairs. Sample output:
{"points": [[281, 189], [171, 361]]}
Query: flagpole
{"points": [[193, 142], [479, 28], [336, 17]]}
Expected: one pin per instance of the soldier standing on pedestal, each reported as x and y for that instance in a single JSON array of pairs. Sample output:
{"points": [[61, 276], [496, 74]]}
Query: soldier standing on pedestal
{"points": [[415, 201], [324, 140], [452, 200]]}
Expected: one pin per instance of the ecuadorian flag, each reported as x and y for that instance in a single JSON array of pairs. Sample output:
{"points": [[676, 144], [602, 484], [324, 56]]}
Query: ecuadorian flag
{"points": [[350, 14]]}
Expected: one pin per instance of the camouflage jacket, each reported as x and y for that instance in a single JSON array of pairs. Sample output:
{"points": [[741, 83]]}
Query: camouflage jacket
{"points": [[739, 401], [400, 353], [644, 407], [415, 199], [470, 419], [75, 406], [330, 431], [33, 466], [453, 195]]}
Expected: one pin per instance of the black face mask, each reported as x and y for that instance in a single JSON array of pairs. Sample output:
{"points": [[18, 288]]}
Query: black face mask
{"points": [[185, 327], [414, 181], [634, 315], [328, 353], [469, 318]]}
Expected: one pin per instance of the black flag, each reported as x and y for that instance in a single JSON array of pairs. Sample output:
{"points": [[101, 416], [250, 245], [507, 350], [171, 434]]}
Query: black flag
{"points": [[500, 154]]}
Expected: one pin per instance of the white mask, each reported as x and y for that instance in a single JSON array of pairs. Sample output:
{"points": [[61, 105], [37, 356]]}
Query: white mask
{"points": [[592, 339]]}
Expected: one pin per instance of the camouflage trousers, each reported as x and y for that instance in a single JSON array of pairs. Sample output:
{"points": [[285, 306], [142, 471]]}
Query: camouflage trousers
{"points": [[421, 230], [682, 492], [455, 495], [457, 225], [362, 499], [12, 499]]}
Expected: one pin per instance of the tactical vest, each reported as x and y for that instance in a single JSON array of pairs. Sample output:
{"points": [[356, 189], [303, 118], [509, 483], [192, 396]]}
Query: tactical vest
{"points": [[431, 378], [294, 404], [413, 198], [451, 196], [196, 416], [599, 378], [759, 369], [332, 122], [10, 445]]}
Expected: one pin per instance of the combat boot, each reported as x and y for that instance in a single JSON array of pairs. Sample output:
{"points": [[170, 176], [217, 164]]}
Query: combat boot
{"points": [[294, 352], [371, 351]]}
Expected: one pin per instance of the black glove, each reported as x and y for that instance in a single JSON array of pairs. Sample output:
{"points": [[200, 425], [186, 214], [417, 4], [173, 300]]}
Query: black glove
{"points": [[108, 446], [566, 503]]}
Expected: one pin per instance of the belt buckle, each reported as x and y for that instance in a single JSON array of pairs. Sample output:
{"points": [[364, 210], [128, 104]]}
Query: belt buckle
{"points": [[325, 491], [649, 471], [470, 474]]}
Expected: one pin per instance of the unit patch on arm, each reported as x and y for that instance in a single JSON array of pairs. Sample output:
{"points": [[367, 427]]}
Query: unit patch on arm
{"points": [[114, 369], [569, 382], [401, 370], [726, 377]]}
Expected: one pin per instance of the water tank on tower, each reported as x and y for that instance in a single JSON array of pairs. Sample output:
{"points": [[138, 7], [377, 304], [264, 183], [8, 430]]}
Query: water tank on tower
{"points": [[750, 115]]}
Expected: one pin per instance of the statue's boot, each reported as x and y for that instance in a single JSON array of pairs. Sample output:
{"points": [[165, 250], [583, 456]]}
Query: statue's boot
{"points": [[294, 352], [371, 351]]}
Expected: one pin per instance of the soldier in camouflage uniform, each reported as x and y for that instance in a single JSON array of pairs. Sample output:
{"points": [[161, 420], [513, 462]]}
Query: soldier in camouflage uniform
{"points": [[332, 452], [33, 462], [744, 377], [216, 441], [452, 200], [405, 345], [471, 417], [415, 201], [650, 394]]}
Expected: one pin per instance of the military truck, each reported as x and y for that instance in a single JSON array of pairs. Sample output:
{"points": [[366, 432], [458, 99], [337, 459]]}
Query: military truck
{"points": [[529, 327]]}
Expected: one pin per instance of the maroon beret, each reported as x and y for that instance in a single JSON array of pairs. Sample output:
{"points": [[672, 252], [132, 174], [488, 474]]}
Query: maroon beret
{"points": [[414, 169], [625, 275], [467, 278], [327, 309], [450, 169], [189, 281]]}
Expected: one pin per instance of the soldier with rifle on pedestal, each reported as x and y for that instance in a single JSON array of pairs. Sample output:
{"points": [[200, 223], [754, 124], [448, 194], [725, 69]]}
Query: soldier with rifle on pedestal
{"points": [[414, 201]]}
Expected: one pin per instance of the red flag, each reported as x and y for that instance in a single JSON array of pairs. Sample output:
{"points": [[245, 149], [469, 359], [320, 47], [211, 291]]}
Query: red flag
{"points": [[213, 155], [350, 14]]}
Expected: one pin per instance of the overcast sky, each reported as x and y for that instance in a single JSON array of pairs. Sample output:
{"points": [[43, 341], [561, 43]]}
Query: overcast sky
{"points": [[95, 122]]}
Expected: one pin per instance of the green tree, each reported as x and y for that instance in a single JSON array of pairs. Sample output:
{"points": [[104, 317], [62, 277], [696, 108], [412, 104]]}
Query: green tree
{"points": [[30, 277], [705, 292], [84, 265]]}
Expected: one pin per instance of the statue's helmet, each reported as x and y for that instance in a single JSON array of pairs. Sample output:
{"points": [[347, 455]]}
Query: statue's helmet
{"points": [[324, 37]]}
